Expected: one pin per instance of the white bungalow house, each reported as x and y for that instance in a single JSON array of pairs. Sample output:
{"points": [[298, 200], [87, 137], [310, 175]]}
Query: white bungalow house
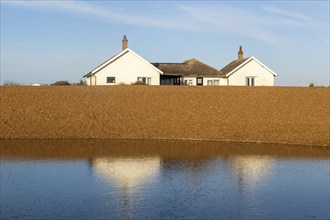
{"points": [[128, 67]]}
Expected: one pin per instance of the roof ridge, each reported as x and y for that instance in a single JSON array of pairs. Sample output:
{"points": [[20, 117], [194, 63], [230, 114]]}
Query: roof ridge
{"points": [[190, 60], [194, 60]]}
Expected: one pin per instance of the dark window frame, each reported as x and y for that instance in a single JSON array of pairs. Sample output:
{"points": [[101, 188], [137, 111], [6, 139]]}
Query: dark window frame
{"points": [[250, 81], [144, 79], [197, 81], [111, 79]]}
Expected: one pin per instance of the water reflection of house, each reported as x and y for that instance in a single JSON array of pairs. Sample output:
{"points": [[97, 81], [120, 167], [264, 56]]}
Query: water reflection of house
{"points": [[252, 168], [127, 173]]}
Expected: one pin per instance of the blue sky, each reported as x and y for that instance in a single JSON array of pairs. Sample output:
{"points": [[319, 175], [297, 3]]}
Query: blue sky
{"points": [[46, 41]]}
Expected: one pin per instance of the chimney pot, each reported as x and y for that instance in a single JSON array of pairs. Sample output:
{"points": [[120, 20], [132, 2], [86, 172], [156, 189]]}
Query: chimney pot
{"points": [[124, 42], [240, 53]]}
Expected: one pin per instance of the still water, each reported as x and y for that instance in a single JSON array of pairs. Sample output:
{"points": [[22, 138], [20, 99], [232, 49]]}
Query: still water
{"points": [[98, 179]]}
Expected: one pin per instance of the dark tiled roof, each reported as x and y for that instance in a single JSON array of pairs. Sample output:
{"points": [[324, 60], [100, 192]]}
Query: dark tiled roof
{"points": [[192, 67], [232, 65]]}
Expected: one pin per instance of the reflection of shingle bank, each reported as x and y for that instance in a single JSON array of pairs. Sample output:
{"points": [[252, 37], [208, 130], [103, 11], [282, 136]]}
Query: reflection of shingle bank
{"points": [[252, 169], [127, 173]]}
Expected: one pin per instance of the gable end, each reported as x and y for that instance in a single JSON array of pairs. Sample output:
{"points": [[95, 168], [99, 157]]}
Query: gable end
{"points": [[114, 58], [245, 63]]}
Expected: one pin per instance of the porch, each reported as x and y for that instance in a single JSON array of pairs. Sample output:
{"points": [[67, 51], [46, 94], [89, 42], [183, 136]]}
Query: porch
{"points": [[170, 79]]}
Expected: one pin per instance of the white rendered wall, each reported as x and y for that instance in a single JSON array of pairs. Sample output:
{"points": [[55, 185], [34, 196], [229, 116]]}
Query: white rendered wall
{"points": [[193, 79], [126, 69], [90, 80], [252, 69], [223, 82]]}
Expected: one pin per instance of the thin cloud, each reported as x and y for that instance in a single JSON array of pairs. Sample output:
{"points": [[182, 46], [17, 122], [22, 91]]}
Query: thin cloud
{"points": [[231, 20], [94, 12], [286, 13], [258, 24], [293, 19]]}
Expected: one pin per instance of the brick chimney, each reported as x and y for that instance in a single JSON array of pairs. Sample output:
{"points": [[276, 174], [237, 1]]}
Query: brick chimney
{"points": [[240, 53], [124, 42]]}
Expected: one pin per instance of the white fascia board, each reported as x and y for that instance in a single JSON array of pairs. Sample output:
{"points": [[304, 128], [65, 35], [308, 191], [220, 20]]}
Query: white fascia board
{"points": [[87, 75], [264, 66], [237, 68], [127, 50], [109, 61], [246, 62], [148, 63]]}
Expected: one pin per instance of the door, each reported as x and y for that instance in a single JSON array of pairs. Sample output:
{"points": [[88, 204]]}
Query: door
{"points": [[199, 81]]}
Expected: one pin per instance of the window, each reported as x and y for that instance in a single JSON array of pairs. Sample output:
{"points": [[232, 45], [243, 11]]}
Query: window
{"points": [[145, 80], [190, 83], [250, 81], [111, 79], [186, 82], [210, 82], [176, 81], [141, 79], [199, 81]]}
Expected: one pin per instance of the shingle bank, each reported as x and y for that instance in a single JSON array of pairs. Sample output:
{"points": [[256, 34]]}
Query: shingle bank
{"points": [[243, 114]]}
